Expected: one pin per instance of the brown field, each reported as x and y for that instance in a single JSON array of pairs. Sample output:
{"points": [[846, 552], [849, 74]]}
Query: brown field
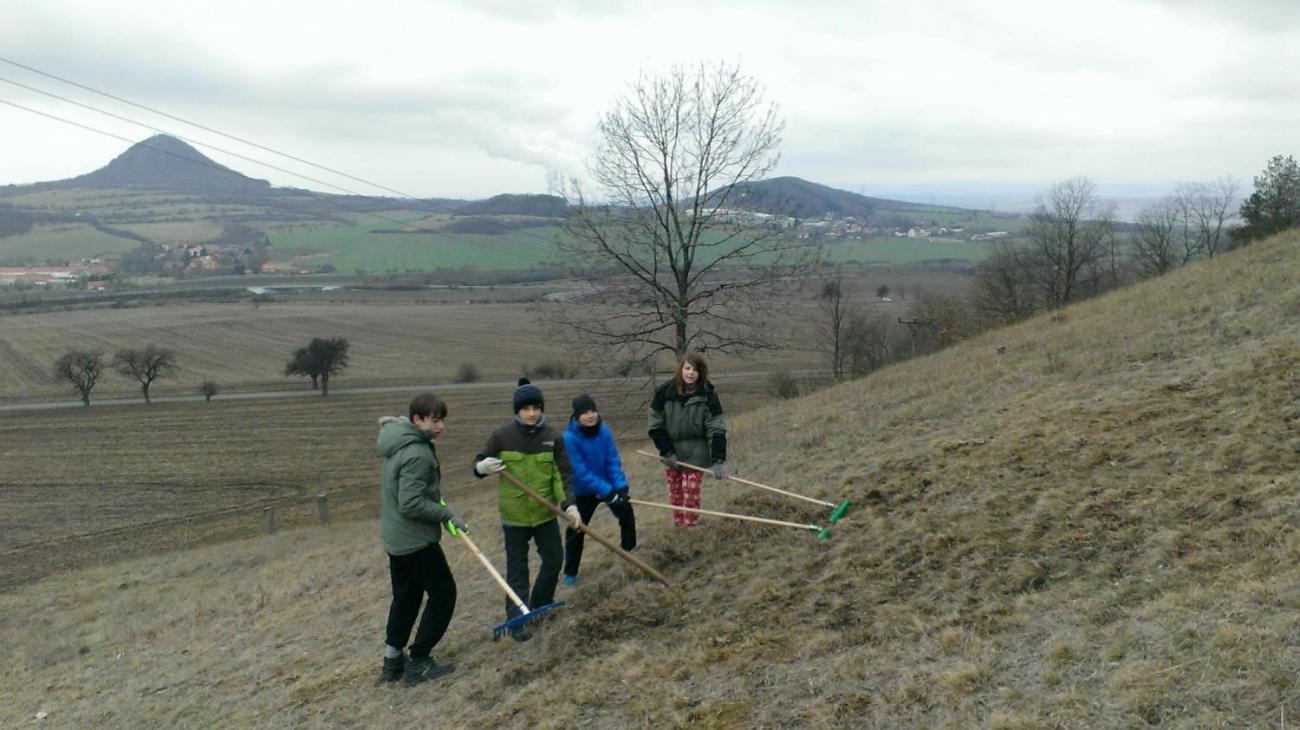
{"points": [[1091, 519], [81, 486], [397, 336]]}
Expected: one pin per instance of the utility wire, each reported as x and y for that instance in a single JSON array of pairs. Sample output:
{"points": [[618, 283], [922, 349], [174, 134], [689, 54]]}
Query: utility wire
{"points": [[317, 196], [200, 126], [177, 136], [25, 66], [70, 82]]}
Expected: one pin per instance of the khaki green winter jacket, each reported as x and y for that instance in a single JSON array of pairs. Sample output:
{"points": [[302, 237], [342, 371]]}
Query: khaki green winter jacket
{"points": [[410, 512], [690, 426]]}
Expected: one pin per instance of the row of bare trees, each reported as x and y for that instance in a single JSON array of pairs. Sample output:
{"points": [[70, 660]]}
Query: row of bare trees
{"points": [[84, 368]]}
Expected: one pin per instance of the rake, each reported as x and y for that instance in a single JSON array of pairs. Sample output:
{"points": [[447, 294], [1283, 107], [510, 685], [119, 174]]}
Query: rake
{"points": [[837, 510], [580, 526], [823, 533], [526, 615]]}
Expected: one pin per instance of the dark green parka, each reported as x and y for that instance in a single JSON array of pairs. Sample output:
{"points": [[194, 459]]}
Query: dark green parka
{"points": [[410, 512], [690, 426]]}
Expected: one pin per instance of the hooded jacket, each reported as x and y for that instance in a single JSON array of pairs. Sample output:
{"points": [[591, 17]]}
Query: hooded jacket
{"points": [[410, 512], [690, 426], [597, 468], [534, 455]]}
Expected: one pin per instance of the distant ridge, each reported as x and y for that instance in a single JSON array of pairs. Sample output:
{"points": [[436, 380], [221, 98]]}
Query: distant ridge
{"points": [[800, 198], [163, 162], [547, 206]]}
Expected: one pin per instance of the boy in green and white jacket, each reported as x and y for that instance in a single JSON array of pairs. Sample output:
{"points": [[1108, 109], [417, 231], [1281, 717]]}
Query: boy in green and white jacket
{"points": [[532, 451]]}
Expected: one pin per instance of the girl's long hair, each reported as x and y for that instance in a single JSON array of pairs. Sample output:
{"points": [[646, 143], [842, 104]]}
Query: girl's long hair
{"points": [[701, 366]]}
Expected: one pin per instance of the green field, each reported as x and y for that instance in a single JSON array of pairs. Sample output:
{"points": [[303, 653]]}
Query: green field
{"points": [[61, 242], [902, 250], [360, 248]]}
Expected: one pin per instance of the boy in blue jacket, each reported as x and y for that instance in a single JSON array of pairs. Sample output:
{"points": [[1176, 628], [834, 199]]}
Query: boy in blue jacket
{"points": [[597, 477]]}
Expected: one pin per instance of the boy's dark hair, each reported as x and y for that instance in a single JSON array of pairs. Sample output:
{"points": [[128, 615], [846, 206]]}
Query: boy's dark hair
{"points": [[425, 405], [701, 366]]}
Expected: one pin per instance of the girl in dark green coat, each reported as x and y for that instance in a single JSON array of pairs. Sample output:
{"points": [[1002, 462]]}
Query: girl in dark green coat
{"points": [[686, 424]]}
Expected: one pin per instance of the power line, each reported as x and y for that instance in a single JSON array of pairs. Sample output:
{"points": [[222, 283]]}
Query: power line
{"points": [[200, 126], [226, 135], [312, 194], [177, 136]]}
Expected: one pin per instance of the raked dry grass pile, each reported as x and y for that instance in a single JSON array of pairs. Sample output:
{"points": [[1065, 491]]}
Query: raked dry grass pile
{"points": [[1094, 528]]}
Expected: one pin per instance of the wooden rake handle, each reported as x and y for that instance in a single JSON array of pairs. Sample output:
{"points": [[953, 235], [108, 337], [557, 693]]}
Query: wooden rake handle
{"points": [[744, 481], [523, 607], [747, 518], [585, 530]]}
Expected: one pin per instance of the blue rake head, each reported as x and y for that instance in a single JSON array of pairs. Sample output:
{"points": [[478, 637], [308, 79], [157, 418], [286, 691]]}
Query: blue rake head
{"points": [[524, 618]]}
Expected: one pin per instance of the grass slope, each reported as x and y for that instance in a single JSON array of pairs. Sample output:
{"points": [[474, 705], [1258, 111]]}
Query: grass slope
{"points": [[1093, 528]]}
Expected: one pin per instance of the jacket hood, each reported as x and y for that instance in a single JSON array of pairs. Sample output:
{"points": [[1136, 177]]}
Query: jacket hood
{"points": [[396, 434], [669, 389]]}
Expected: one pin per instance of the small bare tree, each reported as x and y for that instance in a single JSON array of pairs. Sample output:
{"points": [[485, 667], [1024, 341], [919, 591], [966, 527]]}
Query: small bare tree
{"points": [[82, 368], [207, 389], [1068, 238], [1004, 285], [677, 265], [1156, 247], [1206, 210], [837, 313], [145, 365]]}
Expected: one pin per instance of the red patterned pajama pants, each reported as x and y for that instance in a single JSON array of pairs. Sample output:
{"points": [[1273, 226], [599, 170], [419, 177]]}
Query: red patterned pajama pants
{"points": [[684, 491]]}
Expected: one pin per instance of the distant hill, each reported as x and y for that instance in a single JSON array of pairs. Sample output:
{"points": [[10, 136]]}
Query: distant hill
{"points": [[165, 163], [546, 206], [800, 198]]}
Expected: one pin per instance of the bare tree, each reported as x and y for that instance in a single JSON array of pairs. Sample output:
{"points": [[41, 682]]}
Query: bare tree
{"points": [[1067, 239], [207, 389], [870, 343], [319, 360], [678, 265], [1205, 209], [838, 312], [82, 368], [145, 365], [1004, 286], [1156, 247]]}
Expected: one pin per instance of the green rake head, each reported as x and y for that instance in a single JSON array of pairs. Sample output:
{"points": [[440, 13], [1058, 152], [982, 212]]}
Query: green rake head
{"points": [[839, 512], [823, 533]]}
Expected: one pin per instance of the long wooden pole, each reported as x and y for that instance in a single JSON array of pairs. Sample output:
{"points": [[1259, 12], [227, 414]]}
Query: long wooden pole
{"points": [[747, 518], [523, 607], [804, 497], [585, 530]]}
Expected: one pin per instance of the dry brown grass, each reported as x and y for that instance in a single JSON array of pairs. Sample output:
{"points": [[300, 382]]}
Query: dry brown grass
{"points": [[1095, 529]]}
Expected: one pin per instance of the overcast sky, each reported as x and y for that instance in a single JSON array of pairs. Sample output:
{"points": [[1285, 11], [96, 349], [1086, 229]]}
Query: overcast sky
{"points": [[474, 98]]}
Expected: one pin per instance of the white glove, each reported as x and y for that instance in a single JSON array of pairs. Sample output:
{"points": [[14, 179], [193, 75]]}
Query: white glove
{"points": [[490, 465], [574, 517]]}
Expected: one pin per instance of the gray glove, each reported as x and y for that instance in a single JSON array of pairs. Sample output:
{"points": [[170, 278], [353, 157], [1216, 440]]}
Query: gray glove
{"points": [[455, 524], [575, 518], [719, 470], [490, 465], [669, 461]]}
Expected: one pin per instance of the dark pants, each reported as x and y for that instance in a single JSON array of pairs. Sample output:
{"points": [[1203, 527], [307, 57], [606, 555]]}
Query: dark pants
{"points": [[574, 539], [415, 574], [547, 537]]}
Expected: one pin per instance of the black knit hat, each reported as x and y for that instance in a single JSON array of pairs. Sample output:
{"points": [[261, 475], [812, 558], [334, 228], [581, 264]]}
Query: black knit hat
{"points": [[527, 394], [582, 404]]}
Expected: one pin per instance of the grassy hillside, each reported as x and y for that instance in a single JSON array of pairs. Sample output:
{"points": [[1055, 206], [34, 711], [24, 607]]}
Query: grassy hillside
{"points": [[1093, 526]]}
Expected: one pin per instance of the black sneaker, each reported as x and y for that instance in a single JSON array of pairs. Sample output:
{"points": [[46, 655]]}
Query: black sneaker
{"points": [[424, 669], [521, 633], [393, 668]]}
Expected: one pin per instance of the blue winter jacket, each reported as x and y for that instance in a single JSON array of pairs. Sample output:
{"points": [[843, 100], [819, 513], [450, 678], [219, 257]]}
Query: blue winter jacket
{"points": [[597, 469]]}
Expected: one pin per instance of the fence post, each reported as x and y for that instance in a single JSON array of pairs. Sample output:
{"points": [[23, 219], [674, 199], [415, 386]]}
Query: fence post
{"points": [[268, 519], [323, 507]]}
